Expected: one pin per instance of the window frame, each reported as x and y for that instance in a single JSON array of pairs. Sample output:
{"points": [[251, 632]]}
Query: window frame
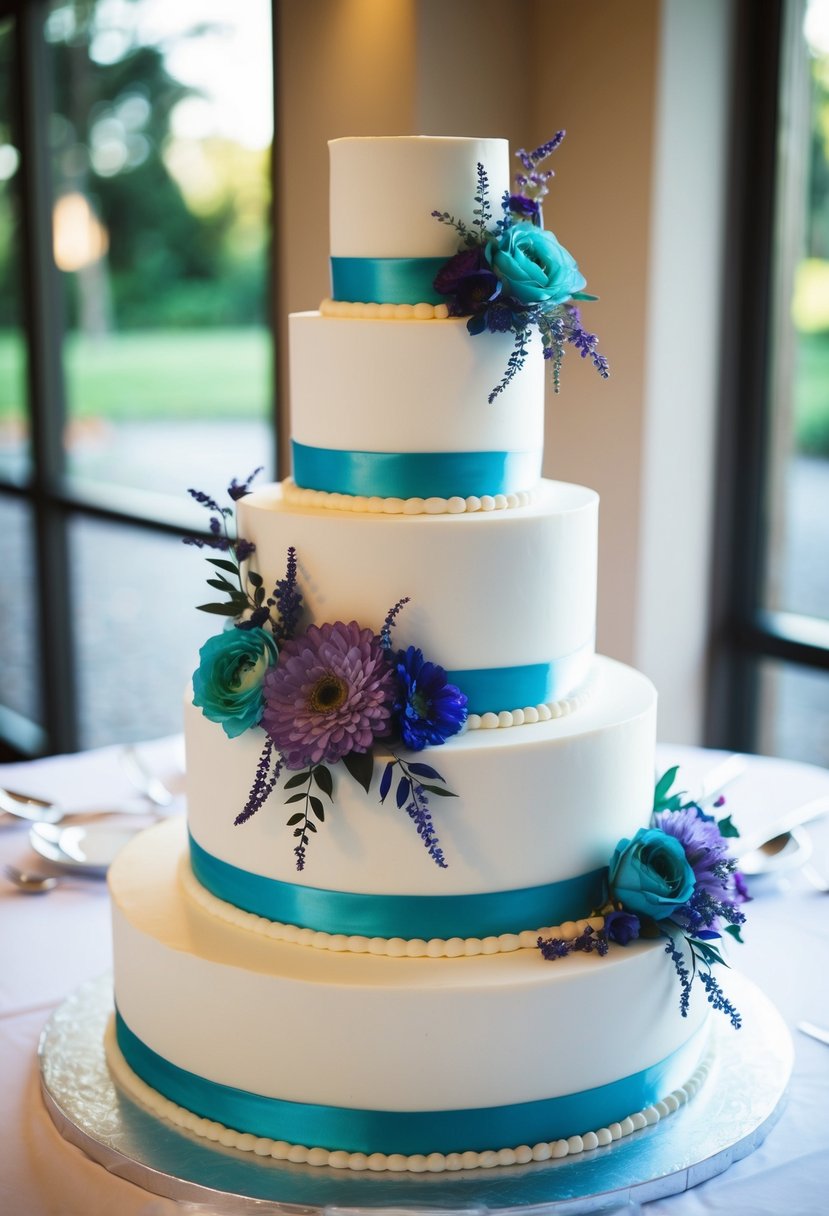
{"points": [[744, 631], [53, 499]]}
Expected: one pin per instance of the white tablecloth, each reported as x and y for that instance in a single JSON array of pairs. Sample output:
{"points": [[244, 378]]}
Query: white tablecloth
{"points": [[50, 944]]}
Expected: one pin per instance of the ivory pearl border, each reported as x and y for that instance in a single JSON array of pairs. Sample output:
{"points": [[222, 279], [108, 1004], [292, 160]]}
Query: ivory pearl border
{"points": [[433, 1163], [386, 947], [361, 505], [384, 312]]}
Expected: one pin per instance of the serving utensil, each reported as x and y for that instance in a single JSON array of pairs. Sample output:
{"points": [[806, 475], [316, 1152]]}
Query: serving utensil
{"points": [[29, 882]]}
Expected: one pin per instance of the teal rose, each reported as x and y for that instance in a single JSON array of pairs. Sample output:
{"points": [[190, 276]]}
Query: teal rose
{"points": [[650, 874], [227, 685], [533, 267]]}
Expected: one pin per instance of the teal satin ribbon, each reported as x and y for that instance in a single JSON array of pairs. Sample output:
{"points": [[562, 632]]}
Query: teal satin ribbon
{"points": [[426, 916], [379, 1131], [386, 280], [414, 474], [491, 689]]}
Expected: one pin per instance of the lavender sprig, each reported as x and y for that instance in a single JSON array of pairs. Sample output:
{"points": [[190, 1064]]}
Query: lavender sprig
{"points": [[287, 599], [389, 622], [589, 941], [516, 361], [237, 490], [483, 210], [718, 1000], [264, 781], [412, 794], [585, 343], [683, 974]]}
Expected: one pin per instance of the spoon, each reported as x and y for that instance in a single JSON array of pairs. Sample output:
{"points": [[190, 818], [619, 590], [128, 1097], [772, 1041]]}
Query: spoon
{"points": [[39, 810], [30, 883], [144, 780]]}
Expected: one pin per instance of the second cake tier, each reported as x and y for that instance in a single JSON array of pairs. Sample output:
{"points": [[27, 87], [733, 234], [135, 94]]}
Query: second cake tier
{"points": [[538, 813], [504, 601]]}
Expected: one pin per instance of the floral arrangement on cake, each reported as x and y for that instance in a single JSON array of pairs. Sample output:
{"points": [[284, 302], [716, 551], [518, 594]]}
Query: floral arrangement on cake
{"points": [[513, 276], [324, 695], [674, 879]]}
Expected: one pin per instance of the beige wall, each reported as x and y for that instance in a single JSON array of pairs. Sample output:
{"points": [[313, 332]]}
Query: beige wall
{"points": [[480, 67]]}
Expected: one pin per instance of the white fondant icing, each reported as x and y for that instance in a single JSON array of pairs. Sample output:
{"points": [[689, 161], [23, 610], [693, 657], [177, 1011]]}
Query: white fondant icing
{"points": [[435, 1163], [381, 386], [416, 1028], [421, 174], [537, 805], [486, 590], [361, 505]]}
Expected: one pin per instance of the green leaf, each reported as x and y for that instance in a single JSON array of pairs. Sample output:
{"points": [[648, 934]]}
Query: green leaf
{"points": [[404, 786], [360, 766], [708, 953], [324, 780], [297, 818], [582, 295], [727, 828], [734, 931], [258, 596], [297, 831], [310, 826], [254, 579], [222, 564], [440, 790], [297, 779], [664, 784], [317, 808], [295, 797], [228, 609]]}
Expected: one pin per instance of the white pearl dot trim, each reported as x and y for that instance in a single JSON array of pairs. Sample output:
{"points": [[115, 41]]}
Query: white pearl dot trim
{"points": [[385, 947], [434, 1163], [384, 312], [532, 713], [363, 505]]}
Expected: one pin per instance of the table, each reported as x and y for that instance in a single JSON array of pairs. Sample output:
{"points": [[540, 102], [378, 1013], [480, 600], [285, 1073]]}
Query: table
{"points": [[50, 944]]}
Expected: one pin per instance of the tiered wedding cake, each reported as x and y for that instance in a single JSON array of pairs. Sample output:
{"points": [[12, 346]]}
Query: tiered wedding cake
{"points": [[325, 989]]}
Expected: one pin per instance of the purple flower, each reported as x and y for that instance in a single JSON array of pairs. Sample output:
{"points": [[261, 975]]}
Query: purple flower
{"points": [[469, 281], [621, 927], [428, 709], [330, 695], [520, 204], [468, 261], [705, 849]]}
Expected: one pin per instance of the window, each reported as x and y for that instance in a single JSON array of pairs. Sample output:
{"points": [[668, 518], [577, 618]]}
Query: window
{"points": [[776, 624], [136, 353]]}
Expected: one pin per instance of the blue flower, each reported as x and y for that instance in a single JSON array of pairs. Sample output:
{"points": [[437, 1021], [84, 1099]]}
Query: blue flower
{"points": [[428, 709], [534, 268], [227, 685], [621, 926], [650, 874]]}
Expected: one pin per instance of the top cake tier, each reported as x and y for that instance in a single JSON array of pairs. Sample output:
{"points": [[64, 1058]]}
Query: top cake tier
{"points": [[383, 192], [386, 245]]}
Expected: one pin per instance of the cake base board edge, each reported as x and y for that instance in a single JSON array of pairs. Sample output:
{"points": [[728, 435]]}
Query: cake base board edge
{"points": [[729, 1117]]}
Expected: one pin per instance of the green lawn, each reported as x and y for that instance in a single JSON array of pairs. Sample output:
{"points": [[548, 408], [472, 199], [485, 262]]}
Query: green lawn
{"points": [[216, 373], [812, 394], [226, 373]]}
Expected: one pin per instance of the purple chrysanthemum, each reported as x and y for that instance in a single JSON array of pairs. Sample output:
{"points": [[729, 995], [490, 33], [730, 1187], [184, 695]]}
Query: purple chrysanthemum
{"points": [[705, 849], [427, 707], [331, 694]]}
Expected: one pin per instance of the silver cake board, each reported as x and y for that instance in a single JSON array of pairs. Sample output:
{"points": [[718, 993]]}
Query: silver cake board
{"points": [[728, 1118]]}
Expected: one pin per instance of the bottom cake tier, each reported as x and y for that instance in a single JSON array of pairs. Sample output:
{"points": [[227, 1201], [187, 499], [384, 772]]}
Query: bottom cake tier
{"points": [[381, 1062]]}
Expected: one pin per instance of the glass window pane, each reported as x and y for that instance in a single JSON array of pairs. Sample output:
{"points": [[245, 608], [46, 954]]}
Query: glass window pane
{"points": [[19, 672], [161, 150], [794, 705], [798, 539], [137, 629], [14, 450]]}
